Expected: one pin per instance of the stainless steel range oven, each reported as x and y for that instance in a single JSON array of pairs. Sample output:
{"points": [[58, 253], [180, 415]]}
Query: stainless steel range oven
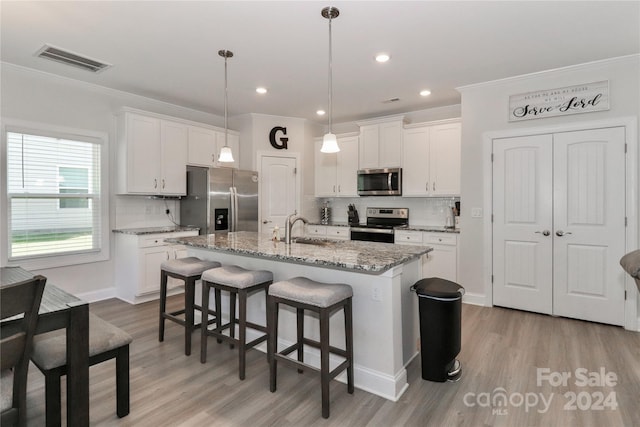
{"points": [[381, 223]]}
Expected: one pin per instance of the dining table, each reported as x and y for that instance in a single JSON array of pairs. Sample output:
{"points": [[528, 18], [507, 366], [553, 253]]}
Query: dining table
{"points": [[62, 310]]}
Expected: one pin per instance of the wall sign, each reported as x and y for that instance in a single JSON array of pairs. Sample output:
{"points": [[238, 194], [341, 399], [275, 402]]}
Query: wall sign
{"points": [[563, 101], [282, 144]]}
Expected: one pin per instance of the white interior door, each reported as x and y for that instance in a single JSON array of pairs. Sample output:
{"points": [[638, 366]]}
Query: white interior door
{"points": [[522, 224], [589, 229], [278, 194], [559, 224]]}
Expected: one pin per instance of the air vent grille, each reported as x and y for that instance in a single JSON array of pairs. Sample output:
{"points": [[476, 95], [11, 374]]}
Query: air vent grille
{"points": [[73, 59], [390, 100]]}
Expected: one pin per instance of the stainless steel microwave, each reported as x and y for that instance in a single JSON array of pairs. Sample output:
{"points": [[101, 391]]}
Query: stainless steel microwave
{"points": [[380, 182]]}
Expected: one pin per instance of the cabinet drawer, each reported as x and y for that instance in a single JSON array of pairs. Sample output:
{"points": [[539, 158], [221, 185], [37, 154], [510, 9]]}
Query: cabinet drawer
{"points": [[317, 230], [440, 239], [338, 232], [413, 237], [151, 240]]}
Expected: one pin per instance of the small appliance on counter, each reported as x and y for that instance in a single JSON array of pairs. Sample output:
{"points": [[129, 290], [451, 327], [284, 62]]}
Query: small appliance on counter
{"points": [[325, 213], [352, 215]]}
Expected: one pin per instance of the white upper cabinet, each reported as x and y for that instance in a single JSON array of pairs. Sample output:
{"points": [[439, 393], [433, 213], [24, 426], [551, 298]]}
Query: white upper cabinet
{"points": [[431, 160], [381, 143], [205, 145], [151, 155], [336, 173]]}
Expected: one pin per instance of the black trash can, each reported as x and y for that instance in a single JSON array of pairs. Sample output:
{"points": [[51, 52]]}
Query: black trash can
{"points": [[440, 306]]}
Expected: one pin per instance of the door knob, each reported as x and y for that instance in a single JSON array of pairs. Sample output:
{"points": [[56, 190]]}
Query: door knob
{"points": [[544, 233], [561, 233]]}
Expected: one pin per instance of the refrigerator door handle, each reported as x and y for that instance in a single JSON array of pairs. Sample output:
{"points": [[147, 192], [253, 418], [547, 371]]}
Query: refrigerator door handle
{"points": [[234, 209]]}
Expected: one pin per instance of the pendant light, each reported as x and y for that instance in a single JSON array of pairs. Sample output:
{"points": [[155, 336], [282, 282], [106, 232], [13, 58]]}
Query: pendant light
{"points": [[226, 156], [329, 141]]}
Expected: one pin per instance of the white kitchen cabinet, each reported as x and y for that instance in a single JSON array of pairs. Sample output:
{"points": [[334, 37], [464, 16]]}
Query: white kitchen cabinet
{"points": [[381, 143], [431, 160], [336, 174], [328, 231], [151, 155], [442, 260], [205, 144], [138, 259]]}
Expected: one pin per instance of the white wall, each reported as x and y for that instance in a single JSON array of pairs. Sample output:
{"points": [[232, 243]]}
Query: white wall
{"points": [[485, 109], [47, 99]]}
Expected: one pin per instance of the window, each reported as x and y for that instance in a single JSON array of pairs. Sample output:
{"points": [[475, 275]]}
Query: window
{"points": [[56, 205], [73, 181]]}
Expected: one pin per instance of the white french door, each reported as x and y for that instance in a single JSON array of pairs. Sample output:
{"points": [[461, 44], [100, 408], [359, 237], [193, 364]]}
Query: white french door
{"points": [[559, 231]]}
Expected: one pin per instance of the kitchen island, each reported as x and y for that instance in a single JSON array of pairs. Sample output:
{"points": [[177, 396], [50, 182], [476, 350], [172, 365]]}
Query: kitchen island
{"points": [[385, 316]]}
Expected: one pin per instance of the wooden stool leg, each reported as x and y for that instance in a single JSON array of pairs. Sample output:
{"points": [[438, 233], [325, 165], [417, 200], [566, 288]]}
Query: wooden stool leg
{"points": [[218, 296], [122, 381], [300, 335], [272, 310], [232, 316], [348, 333], [163, 304], [189, 297], [53, 411], [242, 331], [204, 330], [324, 361]]}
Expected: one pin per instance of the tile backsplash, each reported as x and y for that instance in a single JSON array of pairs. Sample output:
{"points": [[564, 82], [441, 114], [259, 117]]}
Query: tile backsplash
{"points": [[141, 211], [423, 211]]}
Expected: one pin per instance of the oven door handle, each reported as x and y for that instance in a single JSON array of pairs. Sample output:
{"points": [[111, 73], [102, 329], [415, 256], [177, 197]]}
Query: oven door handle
{"points": [[372, 230]]}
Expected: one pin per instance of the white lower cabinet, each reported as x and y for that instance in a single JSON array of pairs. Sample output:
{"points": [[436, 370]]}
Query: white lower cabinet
{"points": [[138, 259], [442, 261], [328, 231]]}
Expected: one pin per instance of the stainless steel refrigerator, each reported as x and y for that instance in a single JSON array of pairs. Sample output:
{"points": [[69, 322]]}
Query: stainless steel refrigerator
{"points": [[220, 200]]}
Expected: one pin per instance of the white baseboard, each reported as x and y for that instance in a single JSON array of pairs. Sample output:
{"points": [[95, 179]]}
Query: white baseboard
{"points": [[95, 296], [475, 299]]}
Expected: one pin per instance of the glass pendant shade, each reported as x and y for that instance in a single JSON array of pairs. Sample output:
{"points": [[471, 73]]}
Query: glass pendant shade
{"points": [[226, 156], [329, 144]]}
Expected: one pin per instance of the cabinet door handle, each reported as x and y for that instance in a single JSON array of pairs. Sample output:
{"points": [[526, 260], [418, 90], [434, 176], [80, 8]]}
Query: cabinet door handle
{"points": [[155, 183], [426, 188], [338, 188], [434, 186], [334, 188], [163, 183], [167, 256]]}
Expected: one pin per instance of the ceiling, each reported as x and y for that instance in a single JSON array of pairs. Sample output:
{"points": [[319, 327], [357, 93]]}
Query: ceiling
{"points": [[167, 50]]}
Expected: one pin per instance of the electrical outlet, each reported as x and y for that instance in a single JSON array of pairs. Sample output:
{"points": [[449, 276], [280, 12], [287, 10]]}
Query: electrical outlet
{"points": [[476, 212], [375, 294]]}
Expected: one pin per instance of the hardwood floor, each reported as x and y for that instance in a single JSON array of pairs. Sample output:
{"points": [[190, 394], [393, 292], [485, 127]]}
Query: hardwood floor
{"points": [[501, 348]]}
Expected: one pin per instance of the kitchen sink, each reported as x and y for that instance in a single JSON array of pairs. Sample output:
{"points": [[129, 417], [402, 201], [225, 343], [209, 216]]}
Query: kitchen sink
{"points": [[315, 242]]}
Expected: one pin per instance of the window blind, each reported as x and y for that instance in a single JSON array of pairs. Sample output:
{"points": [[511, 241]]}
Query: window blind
{"points": [[53, 189]]}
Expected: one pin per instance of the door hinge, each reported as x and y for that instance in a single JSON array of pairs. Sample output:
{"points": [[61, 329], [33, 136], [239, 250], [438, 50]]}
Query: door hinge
{"points": [[492, 157], [625, 222], [492, 218], [625, 148], [295, 171], [625, 295], [492, 278]]}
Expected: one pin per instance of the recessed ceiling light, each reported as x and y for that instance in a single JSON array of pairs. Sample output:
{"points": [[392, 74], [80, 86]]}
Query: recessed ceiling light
{"points": [[425, 92], [261, 90], [320, 112], [382, 57]]}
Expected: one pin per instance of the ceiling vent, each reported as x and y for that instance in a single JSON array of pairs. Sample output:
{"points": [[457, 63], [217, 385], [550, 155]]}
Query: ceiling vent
{"points": [[390, 100], [70, 58]]}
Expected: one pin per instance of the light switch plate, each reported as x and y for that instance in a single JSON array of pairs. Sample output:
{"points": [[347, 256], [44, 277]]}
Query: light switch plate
{"points": [[476, 212]]}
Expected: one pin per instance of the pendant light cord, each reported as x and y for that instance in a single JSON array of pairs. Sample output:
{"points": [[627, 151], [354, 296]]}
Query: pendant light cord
{"points": [[226, 128], [330, 79]]}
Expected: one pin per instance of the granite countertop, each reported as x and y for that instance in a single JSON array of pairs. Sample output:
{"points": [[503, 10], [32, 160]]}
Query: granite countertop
{"points": [[154, 230], [432, 228], [365, 257]]}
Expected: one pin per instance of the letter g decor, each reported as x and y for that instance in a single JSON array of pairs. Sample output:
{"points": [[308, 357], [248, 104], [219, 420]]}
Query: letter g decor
{"points": [[282, 145]]}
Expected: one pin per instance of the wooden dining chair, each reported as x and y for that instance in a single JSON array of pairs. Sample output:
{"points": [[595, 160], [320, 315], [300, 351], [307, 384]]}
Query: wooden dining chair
{"points": [[22, 298]]}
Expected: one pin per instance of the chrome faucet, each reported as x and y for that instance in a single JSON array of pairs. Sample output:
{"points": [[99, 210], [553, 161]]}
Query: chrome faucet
{"points": [[291, 220]]}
